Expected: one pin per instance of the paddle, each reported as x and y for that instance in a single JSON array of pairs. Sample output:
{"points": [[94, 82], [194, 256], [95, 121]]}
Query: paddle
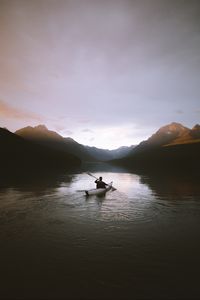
{"points": [[113, 188]]}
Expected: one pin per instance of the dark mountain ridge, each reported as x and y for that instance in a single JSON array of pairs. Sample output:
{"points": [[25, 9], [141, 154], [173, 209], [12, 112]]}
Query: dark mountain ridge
{"points": [[172, 146], [17, 153], [43, 136], [106, 155], [165, 135], [38, 132]]}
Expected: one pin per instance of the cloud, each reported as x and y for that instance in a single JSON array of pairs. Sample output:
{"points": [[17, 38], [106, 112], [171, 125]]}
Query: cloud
{"points": [[68, 132], [10, 112], [87, 130], [59, 127]]}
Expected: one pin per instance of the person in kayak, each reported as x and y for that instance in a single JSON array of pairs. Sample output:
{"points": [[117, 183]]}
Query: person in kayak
{"points": [[100, 184]]}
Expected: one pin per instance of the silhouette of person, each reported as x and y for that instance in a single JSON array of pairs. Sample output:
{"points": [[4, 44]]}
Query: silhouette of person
{"points": [[100, 184]]}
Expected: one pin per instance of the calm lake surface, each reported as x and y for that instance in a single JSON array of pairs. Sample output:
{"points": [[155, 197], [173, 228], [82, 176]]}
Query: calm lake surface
{"points": [[141, 241]]}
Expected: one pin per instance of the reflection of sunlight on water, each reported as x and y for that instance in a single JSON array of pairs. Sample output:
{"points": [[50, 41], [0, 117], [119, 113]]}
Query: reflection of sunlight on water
{"points": [[130, 202], [126, 183]]}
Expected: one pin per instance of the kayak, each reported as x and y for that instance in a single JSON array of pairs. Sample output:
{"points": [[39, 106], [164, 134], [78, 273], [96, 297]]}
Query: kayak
{"points": [[99, 192]]}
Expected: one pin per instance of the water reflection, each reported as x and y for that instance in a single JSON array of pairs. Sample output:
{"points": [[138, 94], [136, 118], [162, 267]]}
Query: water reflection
{"points": [[177, 185], [138, 242], [36, 182]]}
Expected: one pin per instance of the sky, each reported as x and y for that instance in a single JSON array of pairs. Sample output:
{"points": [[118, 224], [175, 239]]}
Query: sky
{"points": [[106, 73]]}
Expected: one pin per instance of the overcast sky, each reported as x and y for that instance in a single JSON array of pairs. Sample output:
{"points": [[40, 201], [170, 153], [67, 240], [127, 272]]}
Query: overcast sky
{"points": [[106, 73]]}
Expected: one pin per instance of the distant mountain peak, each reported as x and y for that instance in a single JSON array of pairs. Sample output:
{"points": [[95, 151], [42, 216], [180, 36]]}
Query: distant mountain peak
{"points": [[196, 127], [195, 132], [39, 131], [43, 136], [165, 135], [41, 127], [172, 127]]}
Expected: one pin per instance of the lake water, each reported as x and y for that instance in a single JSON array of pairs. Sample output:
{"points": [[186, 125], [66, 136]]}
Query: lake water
{"points": [[141, 241]]}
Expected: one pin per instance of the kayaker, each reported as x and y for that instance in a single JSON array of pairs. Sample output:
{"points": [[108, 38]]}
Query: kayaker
{"points": [[100, 184]]}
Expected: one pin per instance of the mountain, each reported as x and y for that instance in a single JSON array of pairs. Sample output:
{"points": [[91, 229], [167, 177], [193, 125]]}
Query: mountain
{"points": [[17, 153], [79, 150], [38, 133], [165, 135], [189, 136], [172, 146], [171, 134], [43, 136], [106, 155]]}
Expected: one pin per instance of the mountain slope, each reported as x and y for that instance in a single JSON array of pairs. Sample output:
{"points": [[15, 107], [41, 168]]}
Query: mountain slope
{"points": [[41, 135], [106, 155], [165, 135], [172, 146], [189, 136], [18, 153], [37, 133]]}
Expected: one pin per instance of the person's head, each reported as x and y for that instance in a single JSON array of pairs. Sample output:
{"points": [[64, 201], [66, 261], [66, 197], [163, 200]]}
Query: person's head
{"points": [[100, 178]]}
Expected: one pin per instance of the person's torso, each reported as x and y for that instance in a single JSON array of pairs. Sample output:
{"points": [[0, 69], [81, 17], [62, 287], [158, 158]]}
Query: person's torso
{"points": [[101, 185]]}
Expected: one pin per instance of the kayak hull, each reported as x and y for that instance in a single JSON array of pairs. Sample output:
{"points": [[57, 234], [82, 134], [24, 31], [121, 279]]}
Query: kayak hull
{"points": [[99, 192]]}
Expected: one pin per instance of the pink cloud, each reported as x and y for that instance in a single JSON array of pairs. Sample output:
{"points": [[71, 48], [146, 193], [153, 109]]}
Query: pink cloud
{"points": [[8, 111]]}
